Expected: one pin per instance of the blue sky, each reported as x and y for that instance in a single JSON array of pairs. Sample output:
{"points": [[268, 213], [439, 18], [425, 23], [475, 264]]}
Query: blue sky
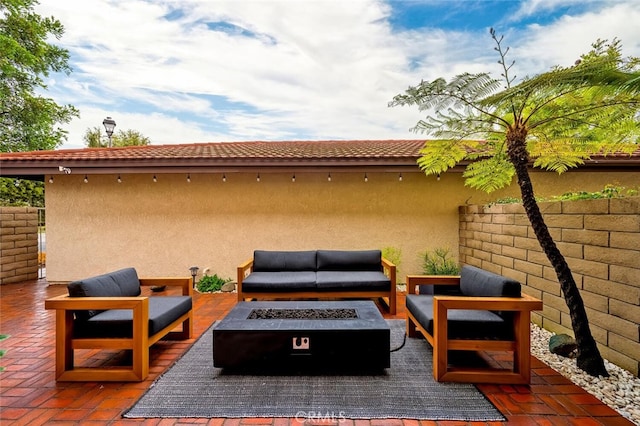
{"points": [[188, 71]]}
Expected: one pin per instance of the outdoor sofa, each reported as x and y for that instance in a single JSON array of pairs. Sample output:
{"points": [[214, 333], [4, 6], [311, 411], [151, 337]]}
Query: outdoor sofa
{"points": [[484, 312], [318, 274], [108, 312]]}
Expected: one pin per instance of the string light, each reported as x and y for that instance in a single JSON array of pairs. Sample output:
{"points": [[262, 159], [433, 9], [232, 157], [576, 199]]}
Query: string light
{"points": [[188, 177], [224, 177], [258, 178], [293, 178], [329, 178], [438, 178], [400, 178], [51, 179], [155, 179], [119, 179], [366, 179], [86, 179]]}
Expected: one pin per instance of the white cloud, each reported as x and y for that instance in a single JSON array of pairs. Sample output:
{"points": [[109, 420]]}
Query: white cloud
{"points": [[530, 8], [283, 69], [562, 42]]}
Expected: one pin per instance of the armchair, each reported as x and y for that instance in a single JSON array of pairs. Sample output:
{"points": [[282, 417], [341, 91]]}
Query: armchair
{"points": [[490, 314], [108, 312]]}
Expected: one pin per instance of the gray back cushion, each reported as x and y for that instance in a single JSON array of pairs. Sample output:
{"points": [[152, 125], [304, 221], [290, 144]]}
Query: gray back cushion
{"points": [[275, 261], [478, 282], [121, 283], [356, 260]]}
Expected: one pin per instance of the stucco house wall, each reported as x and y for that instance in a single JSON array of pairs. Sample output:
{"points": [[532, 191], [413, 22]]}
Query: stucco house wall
{"points": [[162, 228]]}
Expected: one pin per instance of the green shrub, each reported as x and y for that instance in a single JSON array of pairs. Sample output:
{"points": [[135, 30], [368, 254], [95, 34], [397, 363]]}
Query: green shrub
{"points": [[393, 255], [609, 191], [437, 262], [211, 283]]}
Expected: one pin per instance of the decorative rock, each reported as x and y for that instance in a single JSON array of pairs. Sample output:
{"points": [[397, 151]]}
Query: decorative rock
{"points": [[228, 287], [604, 388], [563, 345]]}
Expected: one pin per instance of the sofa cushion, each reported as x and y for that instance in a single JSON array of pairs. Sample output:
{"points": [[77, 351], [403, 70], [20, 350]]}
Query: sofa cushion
{"points": [[163, 310], [342, 260], [123, 282], [279, 281], [461, 323], [478, 282], [352, 281], [271, 261]]}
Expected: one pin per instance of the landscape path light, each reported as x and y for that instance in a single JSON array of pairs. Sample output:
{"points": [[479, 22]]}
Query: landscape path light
{"points": [[194, 272]]}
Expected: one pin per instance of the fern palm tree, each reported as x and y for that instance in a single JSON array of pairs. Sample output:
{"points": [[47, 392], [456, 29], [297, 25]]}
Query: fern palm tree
{"points": [[554, 121]]}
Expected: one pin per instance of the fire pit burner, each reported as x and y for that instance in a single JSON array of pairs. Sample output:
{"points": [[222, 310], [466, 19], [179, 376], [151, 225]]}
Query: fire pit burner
{"points": [[330, 314]]}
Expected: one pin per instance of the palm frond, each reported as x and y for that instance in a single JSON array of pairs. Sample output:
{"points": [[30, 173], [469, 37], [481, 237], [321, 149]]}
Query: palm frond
{"points": [[490, 174], [440, 155], [461, 93], [559, 157], [565, 115]]}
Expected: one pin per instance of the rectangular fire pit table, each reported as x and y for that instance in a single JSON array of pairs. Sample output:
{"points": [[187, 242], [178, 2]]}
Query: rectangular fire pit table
{"points": [[302, 334]]}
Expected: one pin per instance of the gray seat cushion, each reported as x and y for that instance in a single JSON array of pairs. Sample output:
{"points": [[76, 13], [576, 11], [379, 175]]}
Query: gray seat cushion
{"points": [[163, 310], [478, 282], [123, 282], [343, 260], [461, 323], [352, 281], [272, 261], [281, 281]]}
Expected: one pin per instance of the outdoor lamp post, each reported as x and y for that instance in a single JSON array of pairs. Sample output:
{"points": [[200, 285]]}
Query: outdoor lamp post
{"points": [[194, 272], [109, 124]]}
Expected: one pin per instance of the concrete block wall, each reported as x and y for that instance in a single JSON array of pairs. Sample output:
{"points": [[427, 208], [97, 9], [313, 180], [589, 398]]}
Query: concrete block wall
{"points": [[600, 240], [18, 244]]}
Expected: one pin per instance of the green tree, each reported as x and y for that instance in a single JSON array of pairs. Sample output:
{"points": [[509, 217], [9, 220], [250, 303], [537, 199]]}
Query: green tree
{"points": [[93, 138], [29, 121], [557, 119], [21, 192]]}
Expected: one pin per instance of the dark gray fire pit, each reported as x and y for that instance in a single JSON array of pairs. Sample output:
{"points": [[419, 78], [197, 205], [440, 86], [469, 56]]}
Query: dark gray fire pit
{"points": [[262, 336]]}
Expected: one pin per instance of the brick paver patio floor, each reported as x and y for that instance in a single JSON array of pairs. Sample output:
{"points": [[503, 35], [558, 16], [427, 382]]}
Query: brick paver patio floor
{"points": [[29, 394]]}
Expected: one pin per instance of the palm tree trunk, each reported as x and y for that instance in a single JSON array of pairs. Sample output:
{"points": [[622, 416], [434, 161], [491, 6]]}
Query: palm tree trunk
{"points": [[589, 358]]}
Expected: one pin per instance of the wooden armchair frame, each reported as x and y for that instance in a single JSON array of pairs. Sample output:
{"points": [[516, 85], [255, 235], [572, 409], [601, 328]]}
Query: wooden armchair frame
{"points": [[139, 343], [441, 344]]}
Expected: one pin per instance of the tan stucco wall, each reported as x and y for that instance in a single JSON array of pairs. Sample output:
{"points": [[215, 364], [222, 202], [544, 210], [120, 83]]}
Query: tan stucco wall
{"points": [[163, 228]]}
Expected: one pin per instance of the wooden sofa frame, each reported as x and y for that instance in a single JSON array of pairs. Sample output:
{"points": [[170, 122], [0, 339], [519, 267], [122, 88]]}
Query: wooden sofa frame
{"points": [[139, 343], [520, 345], [388, 297]]}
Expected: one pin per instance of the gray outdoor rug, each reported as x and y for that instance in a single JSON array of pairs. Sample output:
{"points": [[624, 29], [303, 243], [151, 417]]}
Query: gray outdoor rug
{"points": [[194, 388]]}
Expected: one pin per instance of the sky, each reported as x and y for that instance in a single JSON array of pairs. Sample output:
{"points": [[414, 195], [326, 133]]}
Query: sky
{"points": [[196, 71]]}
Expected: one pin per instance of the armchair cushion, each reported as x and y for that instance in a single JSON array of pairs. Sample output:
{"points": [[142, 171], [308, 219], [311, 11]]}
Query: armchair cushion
{"points": [[121, 283], [461, 323], [118, 323], [478, 282]]}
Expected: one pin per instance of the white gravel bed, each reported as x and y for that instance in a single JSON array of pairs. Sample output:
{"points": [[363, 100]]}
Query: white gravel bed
{"points": [[620, 391]]}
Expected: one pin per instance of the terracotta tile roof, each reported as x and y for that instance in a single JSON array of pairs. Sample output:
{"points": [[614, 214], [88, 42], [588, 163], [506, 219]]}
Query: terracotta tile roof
{"points": [[386, 155], [237, 150]]}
